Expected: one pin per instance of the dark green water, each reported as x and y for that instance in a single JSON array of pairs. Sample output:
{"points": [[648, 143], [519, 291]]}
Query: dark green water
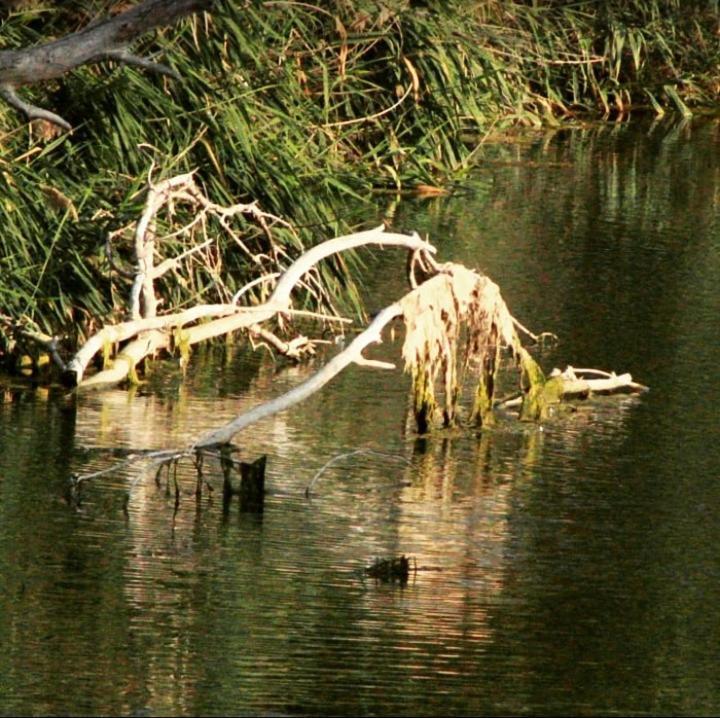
{"points": [[576, 566]]}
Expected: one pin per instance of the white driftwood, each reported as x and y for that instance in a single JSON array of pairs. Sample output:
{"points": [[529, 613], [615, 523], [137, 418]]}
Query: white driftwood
{"points": [[226, 317], [351, 355], [279, 300], [575, 383], [116, 333], [571, 381], [146, 344], [143, 303]]}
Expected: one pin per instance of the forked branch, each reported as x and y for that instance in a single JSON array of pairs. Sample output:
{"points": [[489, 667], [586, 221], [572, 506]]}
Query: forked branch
{"points": [[152, 333], [108, 40]]}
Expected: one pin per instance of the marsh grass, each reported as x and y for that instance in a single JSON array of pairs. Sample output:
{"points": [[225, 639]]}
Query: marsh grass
{"points": [[309, 108]]}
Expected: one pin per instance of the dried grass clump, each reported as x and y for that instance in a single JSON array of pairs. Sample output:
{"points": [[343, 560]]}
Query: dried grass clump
{"points": [[455, 322]]}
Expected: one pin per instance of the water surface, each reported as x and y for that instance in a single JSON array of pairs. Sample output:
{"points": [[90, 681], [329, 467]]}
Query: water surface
{"points": [[571, 568]]}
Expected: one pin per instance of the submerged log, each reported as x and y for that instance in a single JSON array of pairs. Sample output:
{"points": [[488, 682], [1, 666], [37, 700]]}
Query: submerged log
{"points": [[392, 570]]}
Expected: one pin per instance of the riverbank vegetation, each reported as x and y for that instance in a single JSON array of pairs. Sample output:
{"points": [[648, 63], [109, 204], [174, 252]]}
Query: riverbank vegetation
{"points": [[303, 110]]}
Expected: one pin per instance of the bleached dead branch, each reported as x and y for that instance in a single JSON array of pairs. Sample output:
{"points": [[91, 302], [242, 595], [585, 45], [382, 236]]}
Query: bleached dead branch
{"points": [[153, 332], [353, 353], [573, 384], [455, 304]]}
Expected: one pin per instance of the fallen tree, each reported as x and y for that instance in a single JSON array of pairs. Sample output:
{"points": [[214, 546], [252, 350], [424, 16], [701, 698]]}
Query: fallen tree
{"points": [[150, 332], [458, 328]]}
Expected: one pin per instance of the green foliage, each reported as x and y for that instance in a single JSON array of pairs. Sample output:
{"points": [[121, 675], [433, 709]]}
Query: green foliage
{"points": [[307, 108]]}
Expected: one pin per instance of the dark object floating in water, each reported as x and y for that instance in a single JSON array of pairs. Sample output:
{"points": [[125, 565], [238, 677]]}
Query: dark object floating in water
{"points": [[251, 490], [391, 569]]}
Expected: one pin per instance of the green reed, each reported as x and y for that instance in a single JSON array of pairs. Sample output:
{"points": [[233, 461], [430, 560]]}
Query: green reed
{"points": [[309, 108]]}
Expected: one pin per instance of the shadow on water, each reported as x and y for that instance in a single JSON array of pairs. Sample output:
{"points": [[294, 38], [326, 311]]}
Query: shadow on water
{"points": [[570, 568]]}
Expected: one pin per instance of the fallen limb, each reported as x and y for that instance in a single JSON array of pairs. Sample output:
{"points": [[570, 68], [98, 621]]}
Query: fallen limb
{"points": [[351, 355], [117, 333], [226, 318], [294, 349], [123, 365], [279, 301], [223, 435], [572, 384], [575, 383]]}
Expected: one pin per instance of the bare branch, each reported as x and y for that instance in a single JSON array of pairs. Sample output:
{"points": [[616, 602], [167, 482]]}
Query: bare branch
{"points": [[352, 354], [116, 333], [128, 58], [250, 285], [294, 349], [228, 317], [32, 112], [97, 42], [174, 262], [378, 235], [374, 363]]}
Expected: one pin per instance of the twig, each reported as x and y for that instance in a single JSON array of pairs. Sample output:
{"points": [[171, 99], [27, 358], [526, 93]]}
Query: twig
{"points": [[335, 459], [537, 338], [368, 118], [173, 262], [32, 112], [317, 315], [293, 349], [250, 285], [128, 58]]}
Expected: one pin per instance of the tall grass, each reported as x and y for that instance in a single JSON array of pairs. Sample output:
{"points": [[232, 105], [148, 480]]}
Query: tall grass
{"points": [[308, 108]]}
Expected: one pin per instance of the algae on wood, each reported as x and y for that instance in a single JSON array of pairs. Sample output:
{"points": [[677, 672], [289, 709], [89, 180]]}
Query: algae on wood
{"points": [[457, 323]]}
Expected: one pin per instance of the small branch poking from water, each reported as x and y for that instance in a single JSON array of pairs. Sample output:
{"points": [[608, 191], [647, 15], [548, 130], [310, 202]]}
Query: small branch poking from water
{"points": [[572, 383], [541, 338], [335, 459]]}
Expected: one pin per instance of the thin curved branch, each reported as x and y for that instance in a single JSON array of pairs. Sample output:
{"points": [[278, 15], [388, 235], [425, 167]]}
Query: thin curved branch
{"points": [[335, 459], [377, 235], [368, 118], [351, 355], [32, 112], [128, 58]]}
